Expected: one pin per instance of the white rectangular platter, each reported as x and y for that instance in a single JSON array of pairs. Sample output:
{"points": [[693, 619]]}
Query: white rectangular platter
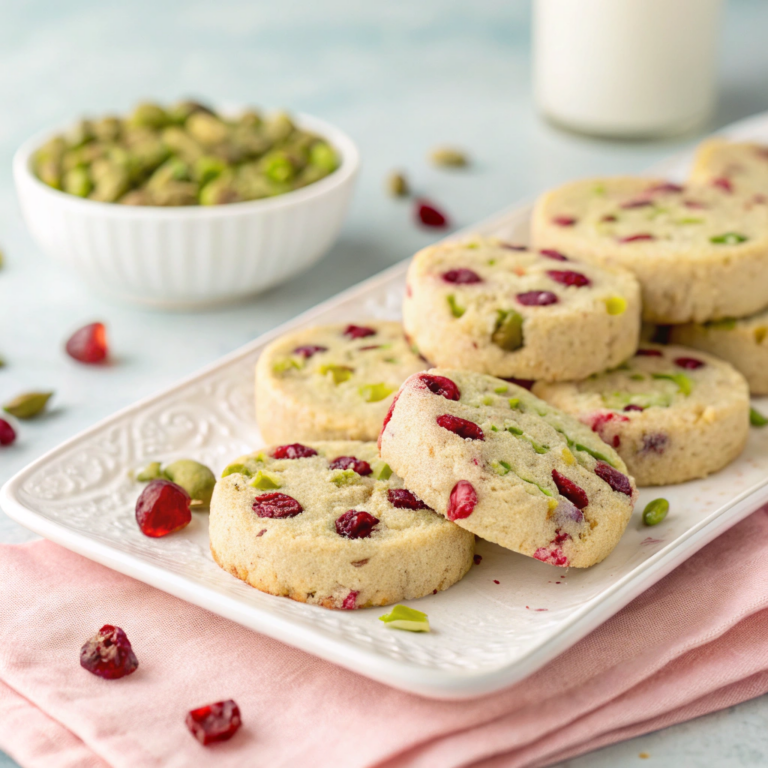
{"points": [[510, 615]]}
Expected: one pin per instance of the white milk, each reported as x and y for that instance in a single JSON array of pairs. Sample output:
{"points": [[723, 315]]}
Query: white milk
{"points": [[631, 68]]}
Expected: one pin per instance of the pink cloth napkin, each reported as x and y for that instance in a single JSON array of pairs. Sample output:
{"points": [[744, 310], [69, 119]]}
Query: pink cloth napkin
{"points": [[694, 643]]}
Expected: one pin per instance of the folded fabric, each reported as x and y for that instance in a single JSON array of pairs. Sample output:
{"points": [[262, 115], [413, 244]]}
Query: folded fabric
{"points": [[695, 642]]}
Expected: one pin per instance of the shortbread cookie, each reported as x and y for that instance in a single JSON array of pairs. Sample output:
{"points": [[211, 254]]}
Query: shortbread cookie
{"points": [[333, 382], [743, 343], [700, 252], [494, 308], [507, 466], [673, 414], [329, 524], [740, 167]]}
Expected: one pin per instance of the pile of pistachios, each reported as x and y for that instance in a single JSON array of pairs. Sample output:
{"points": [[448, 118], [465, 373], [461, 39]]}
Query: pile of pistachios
{"points": [[185, 154]]}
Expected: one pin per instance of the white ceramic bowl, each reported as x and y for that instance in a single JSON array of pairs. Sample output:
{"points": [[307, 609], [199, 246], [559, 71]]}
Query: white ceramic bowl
{"points": [[183, 257]]}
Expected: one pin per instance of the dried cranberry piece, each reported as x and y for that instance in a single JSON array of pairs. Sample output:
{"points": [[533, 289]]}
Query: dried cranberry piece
{"points": [[350, 462], [310, 349], [461, 276], [570, 490], [689, 363], [293, 451], [655, 442], [637, 238], [7, 433], [276, 505], [648, 353], [359, 331], [564, 221], [513, 247], [350, 601], [694, 204], [387, 419], [214, 722], [633, 407], [369, 348], [467, 430], [462, 501], [636, 204], [430, 216], [108, 654], [666, 186], [567, 277], [609, 217], [537, 298], [440, 385], [356, 524], [402, 498], [614, 478], [722, 183], [552, 254], [89, 344], [162, 508], [554, 556], [477, 559]]}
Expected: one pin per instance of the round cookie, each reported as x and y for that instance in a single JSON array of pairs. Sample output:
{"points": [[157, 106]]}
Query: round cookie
{"points": [[329, 524], [673, 414], [332, 382], [508, 467], [733, 167], [743, 343], [494, 308], [699, 252]]}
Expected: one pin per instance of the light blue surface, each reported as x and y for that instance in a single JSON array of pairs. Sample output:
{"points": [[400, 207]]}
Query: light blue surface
{"points": [[399, 77]]}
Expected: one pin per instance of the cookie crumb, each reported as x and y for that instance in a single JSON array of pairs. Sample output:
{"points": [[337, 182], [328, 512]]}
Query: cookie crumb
{"points": [[643, 755]]}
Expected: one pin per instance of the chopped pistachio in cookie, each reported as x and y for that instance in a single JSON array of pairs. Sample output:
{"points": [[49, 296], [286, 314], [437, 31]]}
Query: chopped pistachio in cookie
{"points": [[672, 413], [741, 342], [332, 382], [508, 467], [731, 166], [328, 523], [501, 309], [699, 252]]}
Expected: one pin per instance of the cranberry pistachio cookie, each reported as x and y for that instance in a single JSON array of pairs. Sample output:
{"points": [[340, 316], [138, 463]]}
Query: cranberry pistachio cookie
{"points": [[673, 414], [329, 524], [731, 166], [699, 252], [509, 467], [743, 343], [331, 382], [501, 309]]}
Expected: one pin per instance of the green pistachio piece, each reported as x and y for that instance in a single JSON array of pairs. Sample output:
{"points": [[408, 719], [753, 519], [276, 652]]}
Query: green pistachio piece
{"points": [[501, 390], [151, 472], [344, 477], [180, 111], [487, 400], [339, 373], [690, 220], [287, 364], [637, 377], [250, 119], [374, 393], [616, 305], [381, 470], [182, 144], [149, 115], [514, 403], [448, 157], [593, 453], [324, 156], [655, 511], [79, 134], [726, 324], [107, 128], [684, 383], [756, 419], [545, 491], [236, 469], [403, 617], [137, 197], [277, 166], [49, 172], [175, 193], [111, 187], [195, 478], [501, 467], [77, 182], [265, 482], [508, 332], [538, 447], [27, 405], [207, 168], [728, 238], [619, 400], [278, 126], [456, 310], [397, 185], [207, 129], [220, 191]]}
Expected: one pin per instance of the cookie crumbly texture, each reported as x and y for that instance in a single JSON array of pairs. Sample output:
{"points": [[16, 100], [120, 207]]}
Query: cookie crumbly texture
{"points": [[409, 554], [462, 297], [672, 413], [743, 343], [739, 166], [339, 391], [699, 252], [525, 444]]}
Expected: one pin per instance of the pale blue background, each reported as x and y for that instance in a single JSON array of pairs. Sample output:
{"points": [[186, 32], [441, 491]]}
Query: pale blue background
{"points": [[399, 76]]}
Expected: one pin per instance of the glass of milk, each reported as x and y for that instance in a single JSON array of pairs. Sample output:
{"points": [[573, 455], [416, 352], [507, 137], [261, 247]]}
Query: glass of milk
{"points": [[626, 68]]}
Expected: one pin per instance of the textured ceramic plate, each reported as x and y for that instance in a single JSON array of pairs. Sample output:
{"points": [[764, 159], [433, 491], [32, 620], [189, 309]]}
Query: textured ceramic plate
{"points": [[510, 615]]}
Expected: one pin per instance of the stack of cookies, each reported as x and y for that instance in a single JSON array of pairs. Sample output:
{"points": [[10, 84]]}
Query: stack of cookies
{"points": [[517, 402]]}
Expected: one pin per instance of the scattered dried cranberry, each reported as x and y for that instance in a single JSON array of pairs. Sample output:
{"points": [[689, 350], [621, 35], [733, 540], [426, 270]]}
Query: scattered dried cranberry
{"points": [[89, 344], [614, 478], [689, 363], [108, 654], [537, 298], [359, 331], [666, 186], [461, 276], [467, 430], [276, 505], [477, 559], [430, 216], [648, 353], [402, 498], [440, 385], [636, 204], [462, 501], [609, 217], [570, 490], [309, 350], [350, 601], [524, 383], [356, 524], [387, 419], [564, 221], [722, 183], [566, 277], [7, 433], [294, 451], [655, 442], [350, 462], [554, 556], [369, 347], [162, 508], [637, 238], [214, 722], [552, 254], [633, 407]]}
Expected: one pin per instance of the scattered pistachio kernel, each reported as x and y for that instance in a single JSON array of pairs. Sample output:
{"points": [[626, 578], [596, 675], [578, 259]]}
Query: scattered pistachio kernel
{"points": [[684, 383], [374, 393], [344, 477], [151, 472], [487, 400], [195, 478], [403, 617], [508, 332], [568, 457], [501, 390], [456, 310], [265, 481], [593, 453], [381, 470], [287, 364], [616, 305], [756, 419], [339, 373], [448, 157], [397, 185], [27, 405], [514, 403], [501, 467], [236, 469], [690, 220], [726, 324], [728, 238], [655, 511], [637, 377]]}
